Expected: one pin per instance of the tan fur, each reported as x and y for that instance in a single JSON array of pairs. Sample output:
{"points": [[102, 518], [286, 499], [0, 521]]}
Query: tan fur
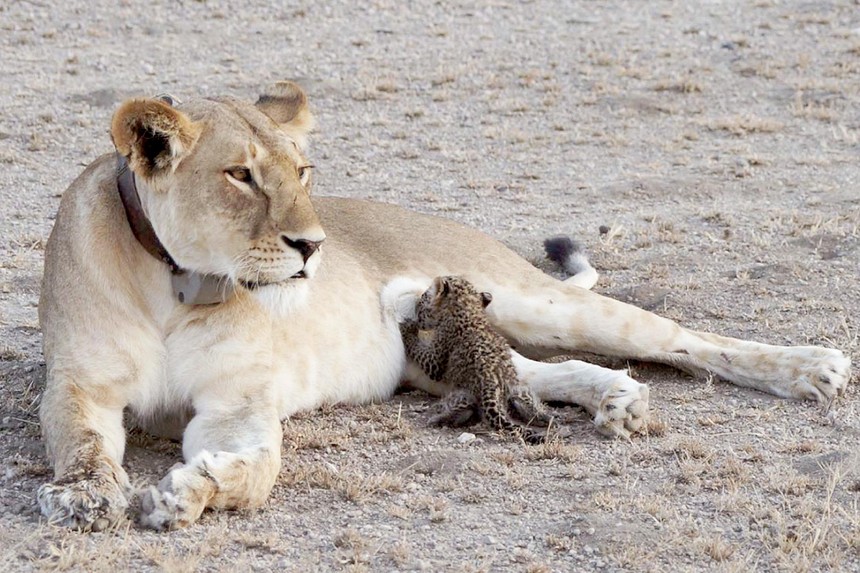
{"points": [[303, 329], [287, 104]]}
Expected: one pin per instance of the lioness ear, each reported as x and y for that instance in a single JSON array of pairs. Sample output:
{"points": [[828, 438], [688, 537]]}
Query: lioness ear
{"points": [[486, 299], [152, 135], [287, 104]]}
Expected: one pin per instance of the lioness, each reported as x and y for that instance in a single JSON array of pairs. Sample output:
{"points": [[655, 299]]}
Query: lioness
{"points": [[224, 189]]}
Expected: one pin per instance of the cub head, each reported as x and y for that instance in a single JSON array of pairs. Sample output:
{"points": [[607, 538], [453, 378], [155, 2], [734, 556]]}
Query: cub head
{"points": [[226, 185], [450, 296]]}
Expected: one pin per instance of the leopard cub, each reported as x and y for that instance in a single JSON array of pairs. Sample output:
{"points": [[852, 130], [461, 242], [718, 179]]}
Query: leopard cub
{"points": [[452, 341]]}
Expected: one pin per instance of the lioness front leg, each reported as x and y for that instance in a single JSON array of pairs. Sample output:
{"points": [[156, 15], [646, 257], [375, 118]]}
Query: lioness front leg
{"points": [[85, 442], [232, 461], [618, 403], [558, 316]]}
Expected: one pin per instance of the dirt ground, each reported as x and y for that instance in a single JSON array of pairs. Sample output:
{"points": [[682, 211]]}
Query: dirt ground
{"points": [[705, 152]]}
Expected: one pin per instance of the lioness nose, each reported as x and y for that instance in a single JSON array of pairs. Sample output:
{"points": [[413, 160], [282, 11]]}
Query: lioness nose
{"points": [[303, 246]]}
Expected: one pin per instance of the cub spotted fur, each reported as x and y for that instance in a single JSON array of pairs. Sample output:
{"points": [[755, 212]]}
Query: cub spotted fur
{"points": [[452, 341]]}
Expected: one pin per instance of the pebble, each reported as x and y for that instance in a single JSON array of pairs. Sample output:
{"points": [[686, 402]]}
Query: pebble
{"points": [[465, 438]]}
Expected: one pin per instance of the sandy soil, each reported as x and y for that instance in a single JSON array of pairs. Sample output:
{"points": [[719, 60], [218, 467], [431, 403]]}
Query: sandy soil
{"points": [[706, 154]]}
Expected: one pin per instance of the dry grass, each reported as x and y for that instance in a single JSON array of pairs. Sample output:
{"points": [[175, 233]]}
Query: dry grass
{"points": [[352, 485], [681, 86], [716, 548], [400, 553], [744, 125], [9, 354], [554, 450], [353, 549]]}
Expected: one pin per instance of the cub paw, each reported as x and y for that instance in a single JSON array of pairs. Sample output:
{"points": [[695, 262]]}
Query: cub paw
{"points": [[623, 408], [88, 504], [527, 407]]}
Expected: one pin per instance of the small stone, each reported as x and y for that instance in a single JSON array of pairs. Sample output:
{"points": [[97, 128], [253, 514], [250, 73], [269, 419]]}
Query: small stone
{"points": [[465, 438]]}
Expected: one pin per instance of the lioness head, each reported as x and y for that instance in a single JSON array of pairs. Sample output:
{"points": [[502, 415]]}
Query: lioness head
{"points": [[226, 184]]}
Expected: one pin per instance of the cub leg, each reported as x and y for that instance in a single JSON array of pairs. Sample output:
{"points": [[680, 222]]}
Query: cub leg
{"points": [[232, 461], [85, 441], [557, 316], [421, 347], [458, 408], [527, 406]]}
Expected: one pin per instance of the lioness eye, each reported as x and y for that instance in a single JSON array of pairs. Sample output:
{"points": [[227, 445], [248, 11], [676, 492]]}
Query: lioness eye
{"points": [[304, 173], [242, 174]]}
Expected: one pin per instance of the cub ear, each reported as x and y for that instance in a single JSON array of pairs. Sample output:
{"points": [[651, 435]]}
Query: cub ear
{"points": [[444, 287], [152, 135], [440, 288], [287, 104], [486, 299]]}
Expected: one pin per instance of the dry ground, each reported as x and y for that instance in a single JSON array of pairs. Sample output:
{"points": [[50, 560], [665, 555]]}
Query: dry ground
{"points": [[705, 152]]}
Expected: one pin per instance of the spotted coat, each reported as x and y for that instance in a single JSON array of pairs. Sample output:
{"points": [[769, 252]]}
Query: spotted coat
{"points": [[452, 341]]}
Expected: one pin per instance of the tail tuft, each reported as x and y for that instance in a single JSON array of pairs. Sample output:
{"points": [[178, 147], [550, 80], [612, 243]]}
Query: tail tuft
{"points": [[570, 255]]}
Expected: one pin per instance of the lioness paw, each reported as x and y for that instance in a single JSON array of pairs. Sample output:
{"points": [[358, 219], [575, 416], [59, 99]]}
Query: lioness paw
{"points": [[819, 374], [177, 501], [86, 504], [162, 511], [623, 408]]}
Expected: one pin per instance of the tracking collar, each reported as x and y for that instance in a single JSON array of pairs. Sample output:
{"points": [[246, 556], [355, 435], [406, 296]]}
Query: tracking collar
{"points": [[189, 287]]}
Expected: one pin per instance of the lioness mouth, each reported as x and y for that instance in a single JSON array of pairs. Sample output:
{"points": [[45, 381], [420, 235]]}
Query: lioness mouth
{"points": [[252, 285]]}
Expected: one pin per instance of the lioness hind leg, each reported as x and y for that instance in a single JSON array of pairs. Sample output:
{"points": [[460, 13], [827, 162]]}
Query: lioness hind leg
{"points": [[557, 316], [801, 372], [85, 441]]}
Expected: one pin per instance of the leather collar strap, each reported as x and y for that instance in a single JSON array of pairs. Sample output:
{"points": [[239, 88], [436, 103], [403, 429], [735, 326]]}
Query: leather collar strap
{"points": [[137, 220], [189, 287]]}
